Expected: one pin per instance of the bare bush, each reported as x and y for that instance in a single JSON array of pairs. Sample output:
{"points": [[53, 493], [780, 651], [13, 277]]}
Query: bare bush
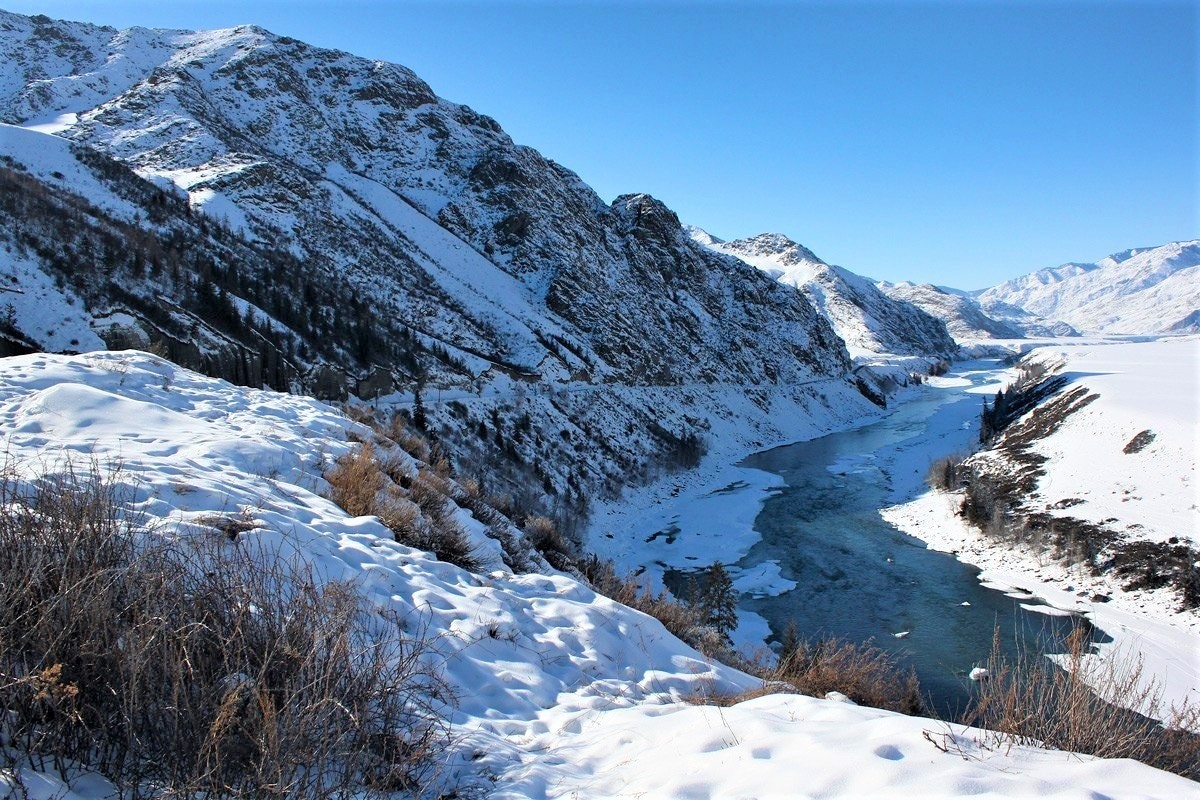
{"points": [[863, 672], [356, 481], [203, 669], [945, 473], [680, 618], [546, 538], [418, 516], [1083, 707]]}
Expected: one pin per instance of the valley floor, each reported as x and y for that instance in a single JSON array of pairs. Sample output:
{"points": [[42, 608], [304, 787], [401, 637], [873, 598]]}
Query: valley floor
{"points": [[560, 692]]}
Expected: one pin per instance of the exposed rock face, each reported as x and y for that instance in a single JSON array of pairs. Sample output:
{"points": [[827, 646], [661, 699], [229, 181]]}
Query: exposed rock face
{"points": [[360, 234], [870, 322]]}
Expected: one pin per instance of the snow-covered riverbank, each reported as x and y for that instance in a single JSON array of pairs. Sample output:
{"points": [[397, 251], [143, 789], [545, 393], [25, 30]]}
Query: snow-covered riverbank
{"points": [[1147, 494], [560, 692]]}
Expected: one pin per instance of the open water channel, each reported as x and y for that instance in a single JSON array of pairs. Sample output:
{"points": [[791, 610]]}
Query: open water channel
{"points": [[859, 578]]}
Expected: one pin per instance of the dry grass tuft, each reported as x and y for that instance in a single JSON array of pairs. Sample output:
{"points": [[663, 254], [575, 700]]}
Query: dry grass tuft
{"points": [[416, 508], [1034, 702], [205, 668]]}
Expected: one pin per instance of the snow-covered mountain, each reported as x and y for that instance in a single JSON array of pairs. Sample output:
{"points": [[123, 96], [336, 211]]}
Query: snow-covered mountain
{"points": [[359, 234], [962, 315], [1139, 291], [427, 208], [867, 320]]}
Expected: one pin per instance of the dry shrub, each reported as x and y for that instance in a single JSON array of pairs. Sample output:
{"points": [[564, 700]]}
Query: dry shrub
{"points": [[356, 481], [863, 672], [199, 669], [420, 517], [546, 538], [431, 492], [1033, 702], [409, 441], [944, 473], [680, 618]]}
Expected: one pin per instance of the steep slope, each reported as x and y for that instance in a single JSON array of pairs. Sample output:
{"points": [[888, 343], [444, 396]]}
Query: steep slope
{"points": [[553, 690], [964, 318], [376, 239], [867, 320], [1145, 290], [426, 207]]}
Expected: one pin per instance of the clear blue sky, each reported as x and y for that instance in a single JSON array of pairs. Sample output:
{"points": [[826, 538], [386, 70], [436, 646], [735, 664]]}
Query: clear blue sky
{"points": [[959, 143]]}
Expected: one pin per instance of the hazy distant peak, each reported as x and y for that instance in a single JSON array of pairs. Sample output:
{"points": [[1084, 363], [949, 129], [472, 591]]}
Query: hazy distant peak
{"points": [[1140, 290]]}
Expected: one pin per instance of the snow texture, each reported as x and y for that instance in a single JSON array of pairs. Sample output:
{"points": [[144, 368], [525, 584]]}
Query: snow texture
{"points": [[564, 693]]}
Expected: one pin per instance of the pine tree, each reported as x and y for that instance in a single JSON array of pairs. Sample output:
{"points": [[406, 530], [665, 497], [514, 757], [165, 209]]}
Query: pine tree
{"points": [[418, 413], [718, 603], [986, 424]]}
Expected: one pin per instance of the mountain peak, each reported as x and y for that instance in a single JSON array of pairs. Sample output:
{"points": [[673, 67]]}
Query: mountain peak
{"points": [[777, 247]]}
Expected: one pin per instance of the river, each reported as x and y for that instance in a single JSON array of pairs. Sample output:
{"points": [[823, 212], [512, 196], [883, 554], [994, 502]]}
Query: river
{"points": [[859, 578]]}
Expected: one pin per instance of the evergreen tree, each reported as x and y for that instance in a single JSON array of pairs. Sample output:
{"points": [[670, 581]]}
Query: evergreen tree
{"points": [[986, 424], [718, 603], [418, 413]]}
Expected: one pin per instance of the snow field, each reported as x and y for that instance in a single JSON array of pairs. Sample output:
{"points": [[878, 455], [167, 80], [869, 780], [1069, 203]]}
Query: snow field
{"points": [[560, 692]]}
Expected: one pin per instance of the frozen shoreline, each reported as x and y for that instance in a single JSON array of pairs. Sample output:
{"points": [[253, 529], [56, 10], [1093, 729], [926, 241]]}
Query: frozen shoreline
{"points": [[688, 520], [1144, 494], [1143, 623]]}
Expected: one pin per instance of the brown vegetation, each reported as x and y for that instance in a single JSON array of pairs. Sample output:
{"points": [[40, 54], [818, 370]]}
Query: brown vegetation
{"points": [[205, 668], [414, 507], [1083, 707]]}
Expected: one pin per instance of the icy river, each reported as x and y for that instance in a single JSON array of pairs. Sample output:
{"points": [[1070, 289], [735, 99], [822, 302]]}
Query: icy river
{"points": [[855, 576]]}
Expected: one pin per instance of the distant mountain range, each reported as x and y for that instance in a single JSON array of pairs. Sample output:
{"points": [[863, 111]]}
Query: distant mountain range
{"points": [[1142, 291], [1145, 291], [870, 322]]}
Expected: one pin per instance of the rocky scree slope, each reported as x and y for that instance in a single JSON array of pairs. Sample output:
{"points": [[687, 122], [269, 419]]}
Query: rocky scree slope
{"points": [[491, 272], [870, 322]]}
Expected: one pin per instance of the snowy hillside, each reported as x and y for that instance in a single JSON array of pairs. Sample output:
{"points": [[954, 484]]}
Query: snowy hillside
{"points": [[968, 321], [963, 317], [427, 208], [357, 234], [1140, 291], [559, 692], [868, 321]]}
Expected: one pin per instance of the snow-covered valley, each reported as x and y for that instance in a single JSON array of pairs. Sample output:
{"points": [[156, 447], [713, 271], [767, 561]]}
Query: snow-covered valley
{"points": [[557, 385], [560, 692]]}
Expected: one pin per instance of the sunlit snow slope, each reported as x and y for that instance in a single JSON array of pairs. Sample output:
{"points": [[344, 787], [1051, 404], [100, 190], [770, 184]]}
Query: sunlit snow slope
{"points": [[561, 693]]}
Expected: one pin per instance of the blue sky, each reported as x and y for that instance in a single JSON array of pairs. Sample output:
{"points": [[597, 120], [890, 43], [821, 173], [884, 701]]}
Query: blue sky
{"points": [[959, 143]]}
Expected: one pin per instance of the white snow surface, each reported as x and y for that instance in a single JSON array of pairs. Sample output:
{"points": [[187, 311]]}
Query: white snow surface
{"points": [[565, 694], [1140, 291], [1146, 495], [1142, 386]]}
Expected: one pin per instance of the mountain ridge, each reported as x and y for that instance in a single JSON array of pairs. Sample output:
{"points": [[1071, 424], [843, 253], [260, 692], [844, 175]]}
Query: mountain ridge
{"points": [[871, 323]]}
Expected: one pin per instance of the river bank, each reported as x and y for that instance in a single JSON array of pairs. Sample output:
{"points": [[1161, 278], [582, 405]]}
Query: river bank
{"points": [[691, 519], [1144, 493]]}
